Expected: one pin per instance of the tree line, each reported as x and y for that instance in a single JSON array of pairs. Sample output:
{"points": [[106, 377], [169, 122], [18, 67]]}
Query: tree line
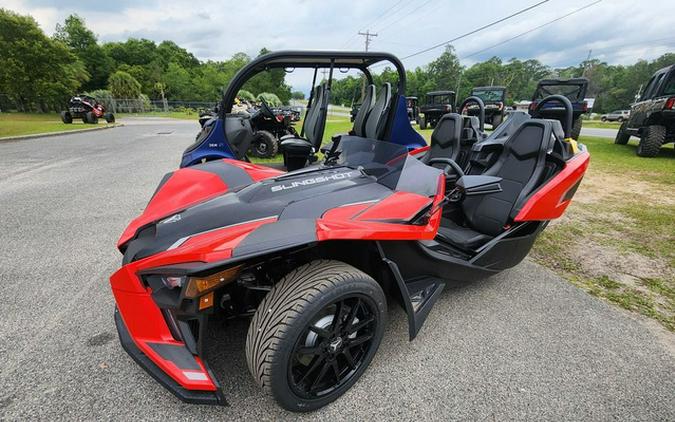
{"points": [[613, 86], [40, 73]]}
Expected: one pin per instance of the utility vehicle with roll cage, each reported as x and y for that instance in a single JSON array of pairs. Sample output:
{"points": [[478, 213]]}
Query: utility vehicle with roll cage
{"points": [[309, 254], [437, 103], [573, 89], [494, 98]]}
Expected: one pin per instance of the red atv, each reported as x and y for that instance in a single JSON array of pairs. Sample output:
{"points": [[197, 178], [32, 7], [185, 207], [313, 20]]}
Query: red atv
{"points": [[309, 255], [86, 108]]}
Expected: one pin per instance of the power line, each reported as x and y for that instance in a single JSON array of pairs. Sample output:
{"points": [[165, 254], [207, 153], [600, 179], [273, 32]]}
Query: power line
{"points": [[532, 30], [476, 30], [407, 15]]}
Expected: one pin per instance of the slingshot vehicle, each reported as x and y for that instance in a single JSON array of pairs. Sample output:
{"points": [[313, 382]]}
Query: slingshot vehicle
{"points": [[87, 108], [311, 253], [382, 115]]}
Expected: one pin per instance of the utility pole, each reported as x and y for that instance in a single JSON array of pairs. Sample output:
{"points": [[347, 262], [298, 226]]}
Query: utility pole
{"points": [[368, 36], [587, 65]]}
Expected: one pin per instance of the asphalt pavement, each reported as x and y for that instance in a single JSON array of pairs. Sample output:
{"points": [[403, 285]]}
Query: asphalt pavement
{"points": [[523, 345], [600, 132]]}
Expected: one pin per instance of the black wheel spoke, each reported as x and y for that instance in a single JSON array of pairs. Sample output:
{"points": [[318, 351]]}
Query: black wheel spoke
{"points": [[350, 359], [320, 331], [339, 315], [352, 313], [317, 362], [355, 328], [359, 340], [309, 350], [319, 377], [336, 369]]}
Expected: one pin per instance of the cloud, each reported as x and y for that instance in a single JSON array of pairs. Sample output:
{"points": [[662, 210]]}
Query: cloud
{"points": [[617, 31]]}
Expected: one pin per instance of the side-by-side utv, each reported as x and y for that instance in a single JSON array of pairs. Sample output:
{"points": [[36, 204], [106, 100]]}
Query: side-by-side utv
{"points": [[311, 255]]}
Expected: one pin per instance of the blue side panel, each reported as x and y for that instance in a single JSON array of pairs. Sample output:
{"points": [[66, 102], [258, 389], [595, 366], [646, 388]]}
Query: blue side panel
{"points": [[402, 132], [214, 146]]}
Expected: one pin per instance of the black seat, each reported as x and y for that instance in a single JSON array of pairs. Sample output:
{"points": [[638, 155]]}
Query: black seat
{"points": [[376, 120], [445, 139], [521, 166], [298, 151], [361, 117]]}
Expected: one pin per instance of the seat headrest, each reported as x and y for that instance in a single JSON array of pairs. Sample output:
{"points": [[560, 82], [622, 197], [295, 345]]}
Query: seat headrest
{"points": [[448, 130]]}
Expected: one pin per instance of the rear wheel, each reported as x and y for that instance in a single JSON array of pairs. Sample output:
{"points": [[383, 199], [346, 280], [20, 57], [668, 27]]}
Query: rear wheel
{"points": [[622, 136], [423, 122], [576, 128], [603, 119], [66, 117], [91, 118], [109, 117], [496, 120], [651, 141], [264, 145], [315, 334]]}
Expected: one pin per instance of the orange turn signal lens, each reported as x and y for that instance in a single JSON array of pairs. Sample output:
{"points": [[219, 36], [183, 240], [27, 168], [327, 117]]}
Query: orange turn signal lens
{"points": [[206, 301], [197, 286]]}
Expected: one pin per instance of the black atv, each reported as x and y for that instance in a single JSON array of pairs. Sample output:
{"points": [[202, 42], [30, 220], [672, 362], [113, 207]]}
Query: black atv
{"points": [[87, 108], [652, 117], [573, 89], [494, 99], [269, 131], [437, 104]]}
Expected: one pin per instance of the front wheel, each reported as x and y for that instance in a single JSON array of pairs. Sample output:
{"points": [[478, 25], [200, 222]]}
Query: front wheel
{"points": [[109, 117], [91, 118], [315, 333], [622, 137], [66, 117], [264, 145], [603, 119]]}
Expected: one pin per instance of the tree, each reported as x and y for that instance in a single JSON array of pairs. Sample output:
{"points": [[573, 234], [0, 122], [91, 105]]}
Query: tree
{"points": [[271, 99], [36, 72], [298, 95], [82, 42], [123, 85]]}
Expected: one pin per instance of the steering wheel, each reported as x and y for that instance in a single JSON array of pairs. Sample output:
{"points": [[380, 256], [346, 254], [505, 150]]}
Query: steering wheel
{"points": [[450, 164], [569, 116], [481, 109], [265, 109]]}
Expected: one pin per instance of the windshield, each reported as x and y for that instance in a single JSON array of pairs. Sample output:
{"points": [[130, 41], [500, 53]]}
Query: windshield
{"points": [[440, 99], [490, 96], [389, 163], [572, 92]]}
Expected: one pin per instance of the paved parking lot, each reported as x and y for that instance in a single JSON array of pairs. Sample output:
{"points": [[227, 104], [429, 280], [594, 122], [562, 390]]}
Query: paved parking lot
{"points": [[521, 345]]}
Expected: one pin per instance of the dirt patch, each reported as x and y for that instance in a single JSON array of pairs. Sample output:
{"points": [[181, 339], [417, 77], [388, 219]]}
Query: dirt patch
{"points": [[598, 186]]}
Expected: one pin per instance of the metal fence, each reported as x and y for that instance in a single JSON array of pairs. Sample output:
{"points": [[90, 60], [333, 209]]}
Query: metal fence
{"points": [[136, 105]]}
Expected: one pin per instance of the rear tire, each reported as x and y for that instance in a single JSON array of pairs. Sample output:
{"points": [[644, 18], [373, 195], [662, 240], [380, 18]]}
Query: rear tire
{"points": [[576, 128], [423, 123], [294, 350], [264, 145], [109, 117], [496, 120], [66, 117], [621, 136], [91, 118], [603, 119], [651, 141]]}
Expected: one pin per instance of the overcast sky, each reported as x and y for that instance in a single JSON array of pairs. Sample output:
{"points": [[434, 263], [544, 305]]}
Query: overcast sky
{"points": [[617, 31]]}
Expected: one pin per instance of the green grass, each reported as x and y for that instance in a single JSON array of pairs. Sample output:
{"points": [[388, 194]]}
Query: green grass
{"points": [[621, 159], [597, 124], [16, 124]]}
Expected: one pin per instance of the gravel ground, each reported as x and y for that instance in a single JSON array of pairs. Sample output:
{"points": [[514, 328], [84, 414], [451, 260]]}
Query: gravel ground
{"points": [[522, 345]]}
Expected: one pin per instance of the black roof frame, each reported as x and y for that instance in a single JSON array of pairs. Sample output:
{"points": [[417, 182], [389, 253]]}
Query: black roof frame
{"points": [[311, 60]]}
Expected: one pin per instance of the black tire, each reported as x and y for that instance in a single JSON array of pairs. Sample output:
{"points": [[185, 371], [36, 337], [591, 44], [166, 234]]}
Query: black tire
{"points": [[496, 120], [576, 128], [66, 117], [91, 118], [622, 137], [264, 145], [651, 140], [603, 119], [423, 122], [620, 120], [286, 331], [109, 117]]}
